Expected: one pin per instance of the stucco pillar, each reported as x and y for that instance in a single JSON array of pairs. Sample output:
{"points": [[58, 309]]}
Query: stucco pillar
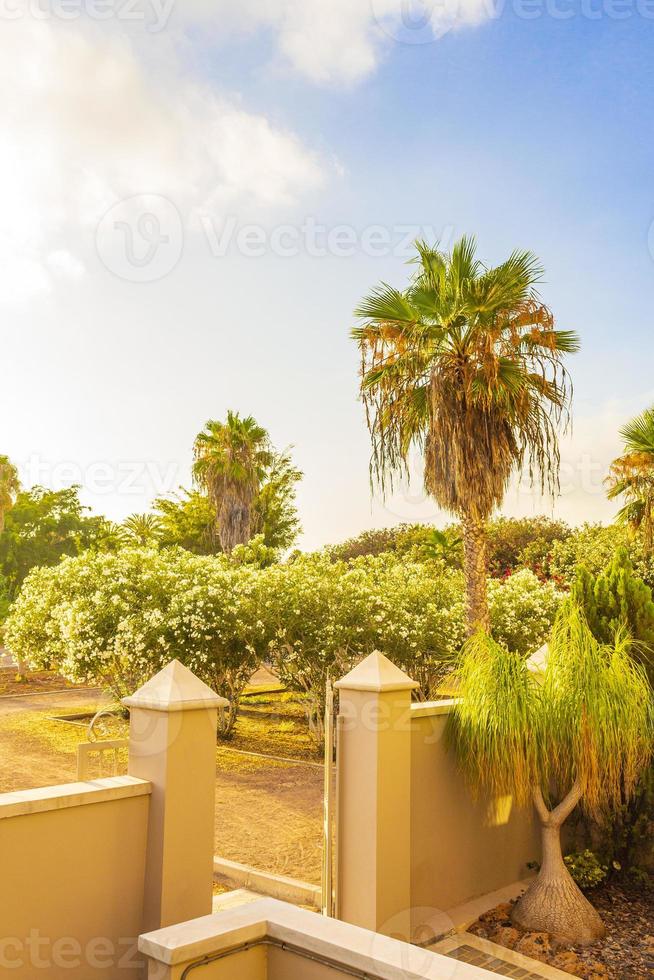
{"points": [[374, 805], [172, 744]]}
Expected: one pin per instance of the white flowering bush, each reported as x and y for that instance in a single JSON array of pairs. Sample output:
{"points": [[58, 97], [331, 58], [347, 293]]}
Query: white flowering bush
{"points": [[522, 610], [116, 619], [326, 615]]}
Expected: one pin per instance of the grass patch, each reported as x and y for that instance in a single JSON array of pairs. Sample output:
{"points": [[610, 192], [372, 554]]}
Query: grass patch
{"points": [[55, 736], [273, 729]]}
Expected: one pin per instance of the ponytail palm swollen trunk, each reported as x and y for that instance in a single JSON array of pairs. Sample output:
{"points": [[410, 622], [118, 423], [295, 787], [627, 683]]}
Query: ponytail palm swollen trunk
{"points": [[465, 366], [581, 734]]}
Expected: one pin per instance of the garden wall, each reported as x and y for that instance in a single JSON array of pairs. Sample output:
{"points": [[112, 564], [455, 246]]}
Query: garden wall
{"points": [[412, 845], [460, 848], [72, 866], [87, 867]]}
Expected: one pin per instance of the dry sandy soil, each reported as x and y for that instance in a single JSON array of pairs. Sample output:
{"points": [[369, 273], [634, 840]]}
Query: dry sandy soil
{"points": [[268, 813]]}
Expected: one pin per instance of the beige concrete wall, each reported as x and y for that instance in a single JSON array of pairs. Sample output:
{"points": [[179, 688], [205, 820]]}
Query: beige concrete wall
{"points": [[284, 965], [459, 849], [72, 863], [251, 964]]}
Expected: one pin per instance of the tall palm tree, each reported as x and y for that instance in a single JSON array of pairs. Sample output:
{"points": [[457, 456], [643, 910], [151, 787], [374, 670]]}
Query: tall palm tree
{"points": [[141, 529], [632, 476], [466, 365], [231, 460], [9, 487]]}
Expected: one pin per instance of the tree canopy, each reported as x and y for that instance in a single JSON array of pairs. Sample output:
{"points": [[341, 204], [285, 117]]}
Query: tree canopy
{"points": [[42, 527], [466, 367]]}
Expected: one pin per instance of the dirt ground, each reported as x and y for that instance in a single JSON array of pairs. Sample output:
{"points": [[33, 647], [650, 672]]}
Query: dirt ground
{"points": [[268, 813], [43, 680]]}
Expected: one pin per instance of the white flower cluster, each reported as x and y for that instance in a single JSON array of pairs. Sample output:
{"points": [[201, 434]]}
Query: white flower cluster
{"points": [[117, 618]]}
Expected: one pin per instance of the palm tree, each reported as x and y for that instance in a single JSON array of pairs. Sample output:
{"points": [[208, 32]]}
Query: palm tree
{"points": [[466, 366], [581, 733], [141, 529], [9, 487], [231, 460], [632, 476]]}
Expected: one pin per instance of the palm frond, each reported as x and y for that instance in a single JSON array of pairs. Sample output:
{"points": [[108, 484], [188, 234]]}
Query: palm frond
{"points": [[482, 350], [388, 305]]}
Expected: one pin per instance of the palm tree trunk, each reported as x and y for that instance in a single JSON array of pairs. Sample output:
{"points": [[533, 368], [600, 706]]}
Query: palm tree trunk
{"points": [[554, 903], [476, 571], [233, 523]]}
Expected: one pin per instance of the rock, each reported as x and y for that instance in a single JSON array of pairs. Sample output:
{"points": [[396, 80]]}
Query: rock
{"points": [[538, 945], [500, 915], [506, 936], [595, 971], [569, 962]]}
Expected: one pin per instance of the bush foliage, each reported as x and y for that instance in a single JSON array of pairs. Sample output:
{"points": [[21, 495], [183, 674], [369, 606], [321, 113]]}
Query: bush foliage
{"points": [[115, 619]]}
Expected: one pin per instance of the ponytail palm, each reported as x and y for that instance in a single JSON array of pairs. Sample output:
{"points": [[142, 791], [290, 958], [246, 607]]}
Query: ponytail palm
{"points": [[632, 477], [582, 734], [231, 460], [466, 366]]}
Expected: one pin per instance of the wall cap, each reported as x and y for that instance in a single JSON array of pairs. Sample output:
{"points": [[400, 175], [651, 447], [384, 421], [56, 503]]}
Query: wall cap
{"points": [[175, 688], [67, 795], [273, 886], [376, 673], [427, 709], [345, 944]]}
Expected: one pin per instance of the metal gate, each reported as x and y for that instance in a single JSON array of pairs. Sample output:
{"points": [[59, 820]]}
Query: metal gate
{"points": [[329, 876]]}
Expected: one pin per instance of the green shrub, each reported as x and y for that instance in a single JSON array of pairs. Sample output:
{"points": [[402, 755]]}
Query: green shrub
{"points": [[617, 598], [524, 542], [417, 540], [593, 546], [586, 869]]}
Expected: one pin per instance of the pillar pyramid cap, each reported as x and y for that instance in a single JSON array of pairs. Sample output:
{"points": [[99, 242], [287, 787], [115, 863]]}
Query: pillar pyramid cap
{"points": [[537, 662], [175, 688], [376, 673]]}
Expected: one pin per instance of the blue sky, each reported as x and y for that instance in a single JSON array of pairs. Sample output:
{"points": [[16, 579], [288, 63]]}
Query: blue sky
{"points": [[528, 133]]}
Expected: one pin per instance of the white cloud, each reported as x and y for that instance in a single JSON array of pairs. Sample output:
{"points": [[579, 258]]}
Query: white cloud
{"points": [[64, 264], [340, 41], [85, 122]]}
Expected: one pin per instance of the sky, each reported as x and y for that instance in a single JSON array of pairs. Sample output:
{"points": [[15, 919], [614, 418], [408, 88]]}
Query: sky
{"points": [[195, 194]]}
